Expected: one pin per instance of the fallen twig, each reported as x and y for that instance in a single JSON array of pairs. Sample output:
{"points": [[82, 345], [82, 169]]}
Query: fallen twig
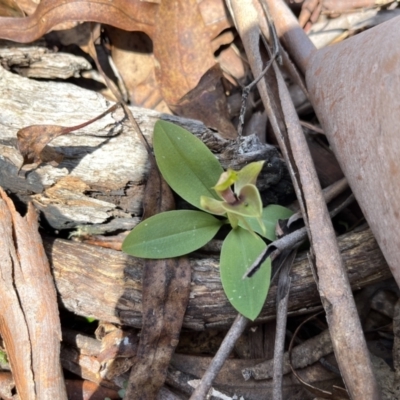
{"points": [[303, 355], [222, 354], [282, 301], [289, 241]]}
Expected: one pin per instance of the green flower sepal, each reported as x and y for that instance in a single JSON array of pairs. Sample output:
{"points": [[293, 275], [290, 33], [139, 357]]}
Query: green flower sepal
{"points": [[243, 201]]}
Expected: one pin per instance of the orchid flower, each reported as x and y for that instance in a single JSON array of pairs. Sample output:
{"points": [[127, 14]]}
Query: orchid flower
{"points": [[243, 201]]}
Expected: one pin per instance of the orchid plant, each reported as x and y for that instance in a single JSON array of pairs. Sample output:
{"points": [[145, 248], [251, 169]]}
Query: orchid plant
{"points": [[222, 197]]}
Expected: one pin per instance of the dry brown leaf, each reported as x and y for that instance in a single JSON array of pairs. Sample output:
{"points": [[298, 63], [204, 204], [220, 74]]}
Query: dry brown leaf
{"points": [[28, 6], [182, 48], [32, 143], [132, 54], [32, 140], [9, 8], [207, 102], [215, 16], [186, 72], [133, 15]]}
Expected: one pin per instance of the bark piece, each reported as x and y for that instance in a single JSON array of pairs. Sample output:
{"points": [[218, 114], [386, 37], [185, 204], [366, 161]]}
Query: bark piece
{"points": [[37, 61], [29, 322], [87, 345], [165, 294], [86, 390], [6, 385], [106, 284], [104, 362], [87, 367]]}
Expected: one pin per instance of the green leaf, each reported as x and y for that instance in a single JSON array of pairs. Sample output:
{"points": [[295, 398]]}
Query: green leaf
{"points": [[171, 234], [185, 162], [270, 216], [239, 251]]}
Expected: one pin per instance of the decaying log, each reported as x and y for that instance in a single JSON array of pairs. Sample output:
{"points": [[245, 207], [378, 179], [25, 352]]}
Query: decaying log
{"points": [[106, 284], [29, 321], [105, 165]]}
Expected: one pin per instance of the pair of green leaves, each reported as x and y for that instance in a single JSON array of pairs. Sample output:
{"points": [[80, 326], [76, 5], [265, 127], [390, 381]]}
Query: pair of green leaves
{"points": [[195, 174]]}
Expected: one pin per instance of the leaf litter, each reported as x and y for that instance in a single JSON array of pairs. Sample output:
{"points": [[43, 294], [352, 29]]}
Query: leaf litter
{"points": [[141, 16]]}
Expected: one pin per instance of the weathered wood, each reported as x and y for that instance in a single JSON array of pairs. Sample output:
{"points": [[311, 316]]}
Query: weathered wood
{"points": [[105, 165], [230, 379], [29, 321], [36, 60], [6, 385], [106, 284], [184, 368]]}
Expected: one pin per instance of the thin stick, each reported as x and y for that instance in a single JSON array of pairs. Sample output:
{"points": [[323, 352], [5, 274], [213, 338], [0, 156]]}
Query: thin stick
{"points": [[279, 348], [329, 194], [282, 301], [273, 55], [275, 248], [246, 92], [312, 127], [288, 241], [115, 91], [222, 354], [312, 389]]}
